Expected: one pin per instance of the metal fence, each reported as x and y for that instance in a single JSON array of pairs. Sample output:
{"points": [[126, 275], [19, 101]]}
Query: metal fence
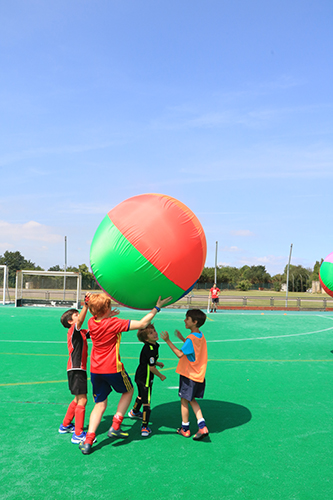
{"points": [[258, 302], [201, 300], [230, 286]]}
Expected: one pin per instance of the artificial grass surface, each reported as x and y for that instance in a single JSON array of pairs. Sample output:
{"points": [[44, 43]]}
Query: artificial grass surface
{"points": [[268, 407]]}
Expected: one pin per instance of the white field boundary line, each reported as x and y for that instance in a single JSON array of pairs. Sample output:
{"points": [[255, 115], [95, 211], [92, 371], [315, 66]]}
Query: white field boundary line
{"points": [[208, 341], [274, 336]]}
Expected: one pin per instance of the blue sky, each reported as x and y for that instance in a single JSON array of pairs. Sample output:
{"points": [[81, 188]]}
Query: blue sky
{"points": [[224, 105]]}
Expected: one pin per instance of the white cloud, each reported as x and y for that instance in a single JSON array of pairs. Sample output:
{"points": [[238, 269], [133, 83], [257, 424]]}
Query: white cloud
{"points": [[274, 264], [242, 232], [38, 152], [31, 230], [86, 208], [5, 246], [231, 249]]}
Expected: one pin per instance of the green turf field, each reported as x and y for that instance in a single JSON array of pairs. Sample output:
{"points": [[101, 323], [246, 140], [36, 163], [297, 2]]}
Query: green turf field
{"points": [[268, 406]]}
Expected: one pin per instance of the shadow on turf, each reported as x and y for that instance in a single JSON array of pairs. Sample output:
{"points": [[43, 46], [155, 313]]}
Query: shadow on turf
{"points": [[165, 419]]}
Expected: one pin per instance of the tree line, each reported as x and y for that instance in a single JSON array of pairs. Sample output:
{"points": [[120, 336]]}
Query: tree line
{"points": [[243, 278], [247, 277]]}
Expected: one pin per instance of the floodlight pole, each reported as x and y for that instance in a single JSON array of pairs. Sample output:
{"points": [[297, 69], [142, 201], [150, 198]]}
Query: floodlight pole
{"points": [[65, 266], [215, 273], [291, 248]]}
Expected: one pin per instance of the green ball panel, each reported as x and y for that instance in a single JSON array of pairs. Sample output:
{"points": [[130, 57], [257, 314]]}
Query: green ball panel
{"points": [[326, 276], [124, 273]]}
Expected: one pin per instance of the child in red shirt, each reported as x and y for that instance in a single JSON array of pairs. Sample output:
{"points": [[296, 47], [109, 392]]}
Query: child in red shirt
{"points": [[107, 370], [76, 371]]}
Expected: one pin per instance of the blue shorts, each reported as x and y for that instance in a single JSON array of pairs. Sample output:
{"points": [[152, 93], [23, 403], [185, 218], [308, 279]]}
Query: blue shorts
{"points": [[104, 383], [188, 389]]}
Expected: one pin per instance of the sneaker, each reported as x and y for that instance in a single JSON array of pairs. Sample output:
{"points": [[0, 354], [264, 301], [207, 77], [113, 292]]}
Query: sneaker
{"points": [[77, 439], [181, 431], [134, 414], [80, 438], [145, 431], [201, 434], [117, 434], [85, 448], [68, 428]]}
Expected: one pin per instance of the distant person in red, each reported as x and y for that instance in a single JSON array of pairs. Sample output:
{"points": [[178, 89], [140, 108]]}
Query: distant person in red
{"points": [[214, 293]]}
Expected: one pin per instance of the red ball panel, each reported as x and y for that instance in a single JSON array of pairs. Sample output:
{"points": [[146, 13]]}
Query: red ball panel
{"points": [[166, 233]]}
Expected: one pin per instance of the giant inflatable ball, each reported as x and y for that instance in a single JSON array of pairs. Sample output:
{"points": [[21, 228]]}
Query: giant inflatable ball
{"points": [[146, 246], [326, 274]]}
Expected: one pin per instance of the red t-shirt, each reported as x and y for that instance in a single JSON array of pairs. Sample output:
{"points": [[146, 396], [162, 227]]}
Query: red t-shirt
{"points": [[106, 336], [214, 292]]}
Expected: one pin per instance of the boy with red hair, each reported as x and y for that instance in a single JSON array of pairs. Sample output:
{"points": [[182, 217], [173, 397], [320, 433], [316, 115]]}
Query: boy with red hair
{"points": [[107, 370]]}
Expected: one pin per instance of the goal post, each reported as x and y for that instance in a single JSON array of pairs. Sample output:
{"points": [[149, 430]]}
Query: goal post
{"points": [[48, 288], [4, 284]]}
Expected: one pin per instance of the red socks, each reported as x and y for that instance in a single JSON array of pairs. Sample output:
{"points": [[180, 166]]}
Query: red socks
{"points": [[90, 437], [116, 422], [70, 414], [79, 419]]}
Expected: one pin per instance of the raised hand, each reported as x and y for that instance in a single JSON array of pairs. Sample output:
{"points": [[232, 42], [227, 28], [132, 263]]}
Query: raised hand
{"points": [[164, 336], [160, 302]]}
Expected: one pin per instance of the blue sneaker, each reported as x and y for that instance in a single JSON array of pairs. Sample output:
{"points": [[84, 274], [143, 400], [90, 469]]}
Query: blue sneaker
{"points": [[134, 414], [68, 428], [78, 439], [145, 431]]}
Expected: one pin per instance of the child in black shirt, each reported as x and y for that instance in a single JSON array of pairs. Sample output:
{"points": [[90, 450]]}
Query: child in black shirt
{"points": [[144, 376]]}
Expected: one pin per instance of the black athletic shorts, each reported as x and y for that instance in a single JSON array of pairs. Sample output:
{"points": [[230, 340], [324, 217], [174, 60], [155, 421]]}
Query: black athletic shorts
{"points": [[77, 382], [216, 301], [188, 389]]}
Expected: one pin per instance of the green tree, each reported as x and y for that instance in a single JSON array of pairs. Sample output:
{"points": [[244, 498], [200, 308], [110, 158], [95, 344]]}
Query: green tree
{"points": [[299, 278], [315, 273], [55, 268], [257, 275], [229, 274], [16, 262], [88, 280], [244, 285], [277, 281], [207, 275]]}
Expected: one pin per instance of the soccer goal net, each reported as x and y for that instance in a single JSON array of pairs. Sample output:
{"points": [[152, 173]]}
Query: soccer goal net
{"points": [[46, 288], [4, 291]]}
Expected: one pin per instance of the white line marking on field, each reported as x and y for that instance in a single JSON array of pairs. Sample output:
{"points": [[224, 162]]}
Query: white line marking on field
{"points": [[208, 341], [273, 336], [36, 341]]}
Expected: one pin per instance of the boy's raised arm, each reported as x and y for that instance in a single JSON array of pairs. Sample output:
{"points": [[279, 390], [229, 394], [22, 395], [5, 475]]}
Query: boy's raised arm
{"points": [[83, 312], [142, 323]]}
